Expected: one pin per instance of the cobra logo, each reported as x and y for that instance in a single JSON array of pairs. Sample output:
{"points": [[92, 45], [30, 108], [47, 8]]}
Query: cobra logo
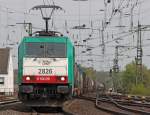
{"points": [[45, 62]]}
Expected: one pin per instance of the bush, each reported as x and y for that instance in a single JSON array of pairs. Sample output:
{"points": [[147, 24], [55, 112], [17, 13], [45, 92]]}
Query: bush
{"points": [[140, 90]]}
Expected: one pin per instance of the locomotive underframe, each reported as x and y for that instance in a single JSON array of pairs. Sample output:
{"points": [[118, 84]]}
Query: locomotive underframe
{"points": [[46, 94]]}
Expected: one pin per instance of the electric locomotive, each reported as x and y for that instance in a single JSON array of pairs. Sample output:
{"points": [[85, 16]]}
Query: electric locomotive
{"points": [[45, 69], [45, 66]]}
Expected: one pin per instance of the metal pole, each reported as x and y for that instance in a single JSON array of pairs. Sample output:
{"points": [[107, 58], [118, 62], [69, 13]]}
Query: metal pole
{"points": [[30, 29], [46, 23], [116, 66], [139, 75]]}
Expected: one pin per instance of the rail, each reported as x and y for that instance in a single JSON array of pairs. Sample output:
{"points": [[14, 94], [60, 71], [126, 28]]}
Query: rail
{"points": [[113, 106]]}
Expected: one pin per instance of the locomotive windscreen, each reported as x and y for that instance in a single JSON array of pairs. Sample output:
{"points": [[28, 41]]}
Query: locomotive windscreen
{"points": [[46, 50]]}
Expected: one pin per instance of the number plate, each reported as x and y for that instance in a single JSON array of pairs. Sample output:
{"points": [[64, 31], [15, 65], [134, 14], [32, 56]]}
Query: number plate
{"points": [[45, 71]]}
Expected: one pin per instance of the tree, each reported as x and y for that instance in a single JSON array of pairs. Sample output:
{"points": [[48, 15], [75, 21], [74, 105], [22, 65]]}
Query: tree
{"points": [[129, 77], [90, 72], [129, 80]]}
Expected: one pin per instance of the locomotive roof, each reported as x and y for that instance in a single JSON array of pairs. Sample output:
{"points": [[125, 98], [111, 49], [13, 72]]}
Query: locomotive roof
{"points": [[45, 39], [4, 59]]}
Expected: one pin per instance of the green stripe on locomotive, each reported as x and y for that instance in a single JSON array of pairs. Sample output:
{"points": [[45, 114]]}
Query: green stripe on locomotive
{"points": [[70, 54]]}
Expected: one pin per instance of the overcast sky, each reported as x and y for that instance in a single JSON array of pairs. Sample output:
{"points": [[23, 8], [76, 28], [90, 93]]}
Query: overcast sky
{"points": [[89, 13]]}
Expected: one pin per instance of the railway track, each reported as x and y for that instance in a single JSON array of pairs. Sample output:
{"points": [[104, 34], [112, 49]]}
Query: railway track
{"points": [[134, 109], [129, 103], [4, 105], [120, 108], [9, 102], [49, 111], [122, 98], [107, 104], [110, 108]]}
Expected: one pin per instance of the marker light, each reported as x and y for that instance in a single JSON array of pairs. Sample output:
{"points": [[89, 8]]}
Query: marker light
{"points": [[27, 78], [143, 97], [62, 78], [129, 96]]}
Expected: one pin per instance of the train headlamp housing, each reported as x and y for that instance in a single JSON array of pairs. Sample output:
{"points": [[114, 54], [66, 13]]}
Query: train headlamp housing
{"points": [[27, 78], [62, 78]]}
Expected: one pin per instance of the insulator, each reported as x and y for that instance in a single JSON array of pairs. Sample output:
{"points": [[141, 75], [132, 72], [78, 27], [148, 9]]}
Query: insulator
{"points": [[108, 1]]}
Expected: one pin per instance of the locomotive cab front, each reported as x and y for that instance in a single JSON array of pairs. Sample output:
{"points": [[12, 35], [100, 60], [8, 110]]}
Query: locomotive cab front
{"points": [[45, 70]]}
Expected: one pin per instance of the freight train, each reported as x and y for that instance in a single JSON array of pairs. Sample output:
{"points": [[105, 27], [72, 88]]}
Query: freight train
{"points": [[46, 69], [47, 73]]}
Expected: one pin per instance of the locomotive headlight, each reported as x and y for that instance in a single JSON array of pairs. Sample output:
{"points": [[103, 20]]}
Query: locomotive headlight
{"points": [[62, 78], [28, 78]]}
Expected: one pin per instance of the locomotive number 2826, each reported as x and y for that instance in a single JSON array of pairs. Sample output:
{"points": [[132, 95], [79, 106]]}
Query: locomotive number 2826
{"points": [[45, 71]]}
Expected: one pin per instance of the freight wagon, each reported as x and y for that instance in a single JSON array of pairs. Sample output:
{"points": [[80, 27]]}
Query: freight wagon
{"points": [[83, 83]]}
